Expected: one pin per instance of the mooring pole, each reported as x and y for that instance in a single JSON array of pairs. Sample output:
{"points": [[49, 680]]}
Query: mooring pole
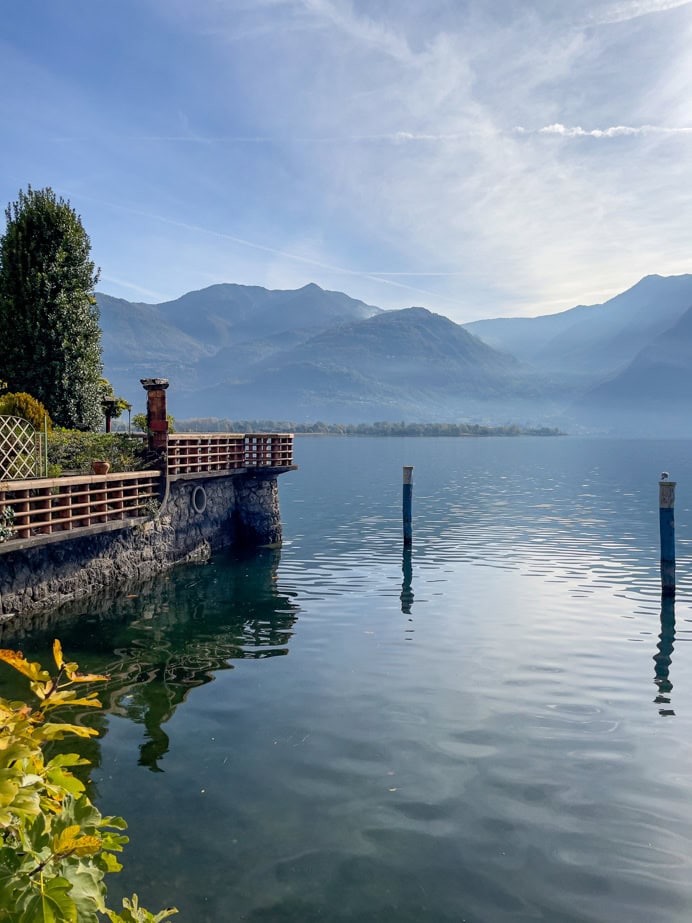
{"points": [[666, 504], [408, 505]]}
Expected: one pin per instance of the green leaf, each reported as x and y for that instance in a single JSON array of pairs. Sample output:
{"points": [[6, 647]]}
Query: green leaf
{"points": [[109, 861], [66, 759], [115, 821], [8, 791], [50, 904], [88, 890], [65, 781], [133, 913]]}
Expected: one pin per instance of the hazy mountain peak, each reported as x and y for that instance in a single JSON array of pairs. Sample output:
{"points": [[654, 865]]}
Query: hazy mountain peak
{"points": [[309, 353]]}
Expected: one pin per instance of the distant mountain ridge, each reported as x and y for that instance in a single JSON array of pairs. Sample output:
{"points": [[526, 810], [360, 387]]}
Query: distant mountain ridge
{"points": [[593, 340], [653, 394], [182, 337], [307, 354], [394, 363]]}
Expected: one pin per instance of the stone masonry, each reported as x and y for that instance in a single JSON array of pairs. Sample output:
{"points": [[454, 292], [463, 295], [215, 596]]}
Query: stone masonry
{"points": [[198, 516]]}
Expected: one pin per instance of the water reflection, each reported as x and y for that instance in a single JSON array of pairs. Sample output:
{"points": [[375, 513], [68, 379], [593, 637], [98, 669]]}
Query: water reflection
{"points": [[161, 639], [185, 630], [664, 656], [407, 583]]}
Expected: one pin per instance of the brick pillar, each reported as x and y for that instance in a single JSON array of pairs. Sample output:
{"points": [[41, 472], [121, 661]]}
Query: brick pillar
{"points": [[157, 422]]}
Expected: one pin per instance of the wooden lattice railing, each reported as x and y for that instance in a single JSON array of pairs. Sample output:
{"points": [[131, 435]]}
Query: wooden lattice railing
{"points": [[190, 453], [47, 505]]}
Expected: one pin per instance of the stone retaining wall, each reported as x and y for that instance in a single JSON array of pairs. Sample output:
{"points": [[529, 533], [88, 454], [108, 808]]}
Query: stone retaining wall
{"points": [[198, 516]]}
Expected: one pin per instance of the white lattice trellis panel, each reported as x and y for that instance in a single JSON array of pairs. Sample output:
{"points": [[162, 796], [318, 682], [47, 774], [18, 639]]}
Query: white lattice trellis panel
{"points": [[19, 449]]}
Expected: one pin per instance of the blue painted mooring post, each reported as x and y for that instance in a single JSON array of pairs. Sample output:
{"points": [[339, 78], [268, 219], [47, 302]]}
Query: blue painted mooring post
{"points": [[408, 505], [666, 504]]}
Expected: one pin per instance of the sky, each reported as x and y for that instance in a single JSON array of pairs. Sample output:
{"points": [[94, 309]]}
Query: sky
{"points": [[480, 158]]}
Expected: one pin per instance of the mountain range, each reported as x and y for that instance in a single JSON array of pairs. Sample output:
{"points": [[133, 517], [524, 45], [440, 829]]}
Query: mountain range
{"points": [[244, 351]]}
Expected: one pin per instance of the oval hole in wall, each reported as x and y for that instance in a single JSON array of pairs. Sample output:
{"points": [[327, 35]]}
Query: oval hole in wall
{"points": [[199, 499]]}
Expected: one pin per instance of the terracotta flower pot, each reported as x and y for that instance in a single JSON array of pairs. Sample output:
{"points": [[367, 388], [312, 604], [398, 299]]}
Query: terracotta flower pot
{"points": [[100, 467]]}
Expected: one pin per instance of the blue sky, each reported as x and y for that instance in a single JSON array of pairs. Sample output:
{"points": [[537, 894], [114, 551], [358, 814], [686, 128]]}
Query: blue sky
{"points": [[478, 158]]}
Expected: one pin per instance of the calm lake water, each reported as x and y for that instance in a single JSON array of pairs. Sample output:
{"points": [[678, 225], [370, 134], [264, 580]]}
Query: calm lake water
{"points": [[495, 728]]}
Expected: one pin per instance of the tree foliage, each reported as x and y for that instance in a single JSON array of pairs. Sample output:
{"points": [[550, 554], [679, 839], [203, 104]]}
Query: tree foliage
{"points": [[49, 324], [214, 424], [55, 846], [117, 404]]}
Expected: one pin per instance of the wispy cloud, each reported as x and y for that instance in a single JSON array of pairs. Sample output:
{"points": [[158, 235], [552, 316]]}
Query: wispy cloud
{"points": [[622, 12], [615, 131], [362, 28], [393, 137], [379, 277], [123, 283], [370, 146]]}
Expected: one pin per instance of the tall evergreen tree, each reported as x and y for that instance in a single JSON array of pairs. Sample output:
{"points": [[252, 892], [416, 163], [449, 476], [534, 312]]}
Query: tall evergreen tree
{"points": [[50, 338]]}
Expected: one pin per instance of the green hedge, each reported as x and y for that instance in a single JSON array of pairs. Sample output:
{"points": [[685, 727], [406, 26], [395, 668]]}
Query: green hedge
{"points": [[73, 450]]}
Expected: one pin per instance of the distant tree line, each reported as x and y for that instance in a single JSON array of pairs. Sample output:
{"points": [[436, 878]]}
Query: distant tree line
{"points": [[215, 425]]}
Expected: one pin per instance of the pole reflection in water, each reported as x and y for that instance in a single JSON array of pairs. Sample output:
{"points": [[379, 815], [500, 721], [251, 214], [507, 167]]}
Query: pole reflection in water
{"points": [[663, 656], [406, 585]]}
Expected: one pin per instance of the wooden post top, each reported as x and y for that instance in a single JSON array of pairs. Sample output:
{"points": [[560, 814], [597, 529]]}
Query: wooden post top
{"points": [[666, 494]]}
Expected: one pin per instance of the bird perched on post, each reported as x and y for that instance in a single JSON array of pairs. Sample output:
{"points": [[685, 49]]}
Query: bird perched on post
{"points": [[664, 475]]}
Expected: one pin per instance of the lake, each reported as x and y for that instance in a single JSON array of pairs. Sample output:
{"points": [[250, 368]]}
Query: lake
{"points": [[496, 727]]}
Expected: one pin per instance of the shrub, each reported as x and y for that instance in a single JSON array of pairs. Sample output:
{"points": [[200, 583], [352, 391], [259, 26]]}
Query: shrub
{"points": [[6, 523], [55, 846], [140, 422], [27, 407], [74, 450]]}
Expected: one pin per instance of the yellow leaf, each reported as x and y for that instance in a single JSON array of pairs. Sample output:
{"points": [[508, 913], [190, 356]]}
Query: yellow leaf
{"points": [[87, 846], [57, 654], [17, 660], [62, 841], [58, 731], [41, 690], [69, 697], [69, 844], [86, 677]]}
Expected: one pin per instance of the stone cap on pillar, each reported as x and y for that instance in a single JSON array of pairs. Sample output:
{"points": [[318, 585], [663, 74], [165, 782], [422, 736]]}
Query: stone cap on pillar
{"points": [[154, 384]]}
